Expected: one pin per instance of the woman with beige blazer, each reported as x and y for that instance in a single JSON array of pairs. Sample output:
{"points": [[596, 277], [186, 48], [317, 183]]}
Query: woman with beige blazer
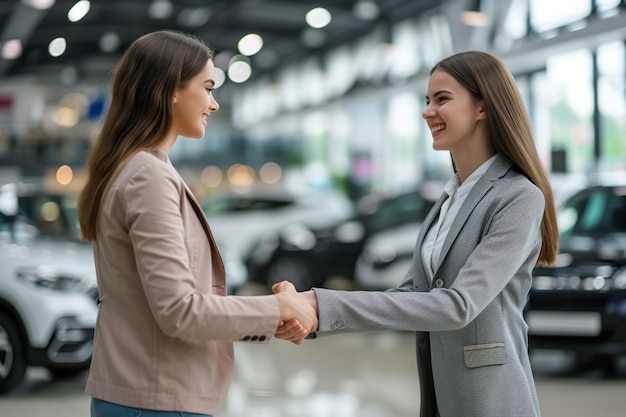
{"points": [[465, 293], [163, 342]]}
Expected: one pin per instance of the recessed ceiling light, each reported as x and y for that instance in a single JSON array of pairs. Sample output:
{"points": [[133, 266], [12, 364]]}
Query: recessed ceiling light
{"points": [[12, 49], [318, 17], [250, 44]]}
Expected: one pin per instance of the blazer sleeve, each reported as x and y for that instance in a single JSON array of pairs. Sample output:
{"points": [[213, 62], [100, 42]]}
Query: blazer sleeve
{"points": [[509, 246], [152, 202]]}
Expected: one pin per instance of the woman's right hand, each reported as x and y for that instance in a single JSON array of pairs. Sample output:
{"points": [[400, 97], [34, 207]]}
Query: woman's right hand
{"points": [[298, 312]]}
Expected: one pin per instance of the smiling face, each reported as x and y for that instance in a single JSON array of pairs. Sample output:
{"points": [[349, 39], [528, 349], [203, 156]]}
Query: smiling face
{"points": [[453, 114], [194, 102]]}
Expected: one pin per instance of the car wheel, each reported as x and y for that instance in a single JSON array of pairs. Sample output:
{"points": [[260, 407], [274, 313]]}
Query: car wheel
{"points": [[12, 355], [296, 269]]}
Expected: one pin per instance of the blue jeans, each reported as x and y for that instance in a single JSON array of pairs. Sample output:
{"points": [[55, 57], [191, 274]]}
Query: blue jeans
{"points": [[100, 408]]}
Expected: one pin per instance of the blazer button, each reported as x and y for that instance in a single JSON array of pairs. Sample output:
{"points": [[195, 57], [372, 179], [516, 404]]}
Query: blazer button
{"points": [[261, 338], [439, 283], [245, 338], [338, 325]]}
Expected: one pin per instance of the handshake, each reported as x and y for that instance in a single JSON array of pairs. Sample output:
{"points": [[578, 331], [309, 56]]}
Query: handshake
{"points": [[298, 312]]}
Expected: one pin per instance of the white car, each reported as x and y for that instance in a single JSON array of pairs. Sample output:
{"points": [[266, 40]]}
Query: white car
{"points": [[238, 220], [48, 302], [48, 290], [386, 257]]}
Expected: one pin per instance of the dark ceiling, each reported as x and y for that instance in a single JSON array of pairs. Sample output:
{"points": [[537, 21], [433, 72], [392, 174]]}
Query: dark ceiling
{"points": [[221, 23]]}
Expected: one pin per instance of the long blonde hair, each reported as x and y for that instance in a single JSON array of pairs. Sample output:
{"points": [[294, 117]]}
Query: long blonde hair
{"points": [[139, 116], [488, 79]]}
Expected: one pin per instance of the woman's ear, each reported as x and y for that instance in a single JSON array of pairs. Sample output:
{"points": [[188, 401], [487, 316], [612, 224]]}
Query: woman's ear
{"points": [[175, 99], [481, 111]]}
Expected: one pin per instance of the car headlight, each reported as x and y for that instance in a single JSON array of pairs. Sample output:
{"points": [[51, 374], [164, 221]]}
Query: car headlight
{"points": [[49, 277]]}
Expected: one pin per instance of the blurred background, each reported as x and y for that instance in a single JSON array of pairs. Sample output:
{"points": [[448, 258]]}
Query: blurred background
{"points": [[318, 168]]}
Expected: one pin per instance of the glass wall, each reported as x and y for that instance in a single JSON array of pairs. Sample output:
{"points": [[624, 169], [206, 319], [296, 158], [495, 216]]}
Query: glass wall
{"points": [[548, 15], [362, 140], [569, 101], [577, 104], [612, 106]]}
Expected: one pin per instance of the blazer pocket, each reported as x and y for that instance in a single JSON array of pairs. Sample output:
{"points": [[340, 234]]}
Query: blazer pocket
{"points": [[486, 354]]}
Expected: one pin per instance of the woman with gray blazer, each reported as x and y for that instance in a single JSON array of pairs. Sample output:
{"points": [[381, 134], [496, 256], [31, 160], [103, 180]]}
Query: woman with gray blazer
{"points": [[164, 336], [466, 289]]}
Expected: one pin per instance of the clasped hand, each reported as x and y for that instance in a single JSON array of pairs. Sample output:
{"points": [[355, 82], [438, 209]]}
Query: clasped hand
{"points": [[298, 312]]}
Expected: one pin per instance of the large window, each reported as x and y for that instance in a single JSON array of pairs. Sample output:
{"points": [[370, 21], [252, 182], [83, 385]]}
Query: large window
{"points": [[548, 15], [567, 97], [403, 123], [612, 106]]}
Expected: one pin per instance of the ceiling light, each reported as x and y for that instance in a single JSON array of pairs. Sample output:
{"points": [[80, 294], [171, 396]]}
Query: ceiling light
{"points": [[160, 9], [250, 44], [476, 19], [270, 172], [39, 4], [313, 38], [239, 71], [220, 77], [366, 10], [109, 42], [57, 47], [12, 49], [211, 176], [318, 17], [194, 17], [64, 176], [78, 11], [473, 15]]}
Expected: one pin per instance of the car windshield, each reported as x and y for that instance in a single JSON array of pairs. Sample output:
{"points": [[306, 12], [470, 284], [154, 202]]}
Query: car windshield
{"points": [[595, 210], [405, 208], [53, 214]]}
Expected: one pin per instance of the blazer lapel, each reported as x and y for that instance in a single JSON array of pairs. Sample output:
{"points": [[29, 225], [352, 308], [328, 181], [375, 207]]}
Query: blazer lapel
{"points": [[496, 171], [216, 258], [431, 218]]}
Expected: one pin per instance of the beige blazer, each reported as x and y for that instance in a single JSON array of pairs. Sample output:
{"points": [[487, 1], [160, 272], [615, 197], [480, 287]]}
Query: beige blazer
{"points": [[165, 328]]}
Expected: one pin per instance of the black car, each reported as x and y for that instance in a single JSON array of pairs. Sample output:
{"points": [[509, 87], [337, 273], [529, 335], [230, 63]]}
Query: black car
{"points": [[580, 304], [309, 256]]}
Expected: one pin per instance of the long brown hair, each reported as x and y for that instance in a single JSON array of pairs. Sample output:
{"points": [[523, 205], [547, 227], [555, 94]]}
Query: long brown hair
{"points": [[139, 116], [488, 79]]}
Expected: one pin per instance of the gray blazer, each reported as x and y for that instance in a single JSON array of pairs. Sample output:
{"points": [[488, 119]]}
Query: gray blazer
{"points": [[472, 346]]}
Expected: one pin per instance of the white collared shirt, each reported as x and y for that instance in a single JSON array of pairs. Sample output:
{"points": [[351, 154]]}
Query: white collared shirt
{"points": [[436, 235]]}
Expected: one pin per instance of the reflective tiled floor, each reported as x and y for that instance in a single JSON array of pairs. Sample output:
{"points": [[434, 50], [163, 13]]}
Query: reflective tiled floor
{"points": [[358, 375]]}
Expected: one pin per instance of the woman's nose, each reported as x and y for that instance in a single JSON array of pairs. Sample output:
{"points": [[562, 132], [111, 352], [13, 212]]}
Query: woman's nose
{"points": [[214, 106], [428, 112]]}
